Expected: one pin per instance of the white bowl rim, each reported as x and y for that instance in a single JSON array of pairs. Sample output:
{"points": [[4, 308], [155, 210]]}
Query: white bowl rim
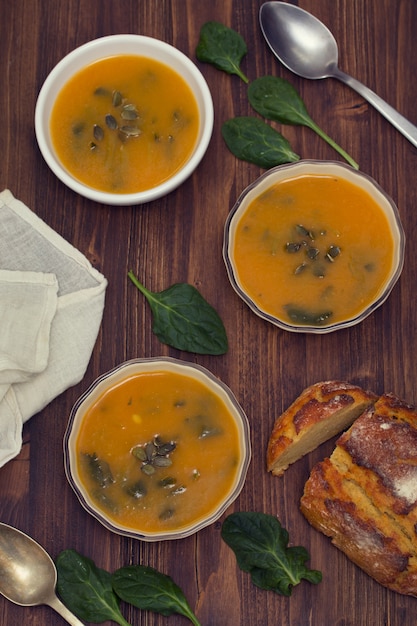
{"points": [[120, 372], [44, 103], [312, 166]]}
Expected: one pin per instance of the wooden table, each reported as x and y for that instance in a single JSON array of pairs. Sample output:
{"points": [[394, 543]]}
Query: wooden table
{"points": [[179, 239]]}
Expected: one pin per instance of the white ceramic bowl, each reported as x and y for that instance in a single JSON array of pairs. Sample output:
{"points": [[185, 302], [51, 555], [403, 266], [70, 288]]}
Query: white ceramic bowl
{"points": [[113, 378], [326, 168], [109, 46]]}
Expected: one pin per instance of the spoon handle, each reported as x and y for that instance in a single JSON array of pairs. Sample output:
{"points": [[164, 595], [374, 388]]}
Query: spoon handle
{"points": [[69, 617], [399, 121]]}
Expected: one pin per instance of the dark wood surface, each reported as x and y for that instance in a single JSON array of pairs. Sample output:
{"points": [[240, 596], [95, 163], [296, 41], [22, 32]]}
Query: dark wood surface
{"points": [[179, 239]]}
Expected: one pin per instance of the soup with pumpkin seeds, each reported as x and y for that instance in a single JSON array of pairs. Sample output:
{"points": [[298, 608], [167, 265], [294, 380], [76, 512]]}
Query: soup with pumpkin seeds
{"points": [[124, 124], [158, 452], [313, 250]]}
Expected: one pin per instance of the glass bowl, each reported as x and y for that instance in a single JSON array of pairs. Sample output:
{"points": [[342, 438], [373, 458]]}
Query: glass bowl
{"points": [[106, 47], [293, 317], [211, 392]]}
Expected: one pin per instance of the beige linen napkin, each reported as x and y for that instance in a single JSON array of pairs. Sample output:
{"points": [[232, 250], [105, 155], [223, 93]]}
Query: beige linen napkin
{"points": [[51, 307], [27, 307]]}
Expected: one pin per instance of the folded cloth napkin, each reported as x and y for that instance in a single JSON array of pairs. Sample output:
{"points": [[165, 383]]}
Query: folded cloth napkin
{"points": [[28, 303], [51, 307]]}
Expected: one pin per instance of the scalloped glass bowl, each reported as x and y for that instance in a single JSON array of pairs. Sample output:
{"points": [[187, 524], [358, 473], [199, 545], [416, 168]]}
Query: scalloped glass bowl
{"points": [[113, 378], [133, 45], [308, 167]]}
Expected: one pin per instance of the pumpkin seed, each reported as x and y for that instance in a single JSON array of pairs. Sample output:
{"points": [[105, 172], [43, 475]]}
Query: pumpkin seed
{"points": [[162, 461], [129, 112], [312, 253], [303, 231], [292, 247], [332, 253], [131, 131], [148, 469], [111, 121], [158, 442], [128, 115], [300, 268], [140, 453], [150, 450], [117, 99], [154, 454], [166, 448], [98, 132]]}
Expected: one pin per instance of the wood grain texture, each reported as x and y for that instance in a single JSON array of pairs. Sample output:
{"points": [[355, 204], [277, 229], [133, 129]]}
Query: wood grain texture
{"points": [[179, 238]]}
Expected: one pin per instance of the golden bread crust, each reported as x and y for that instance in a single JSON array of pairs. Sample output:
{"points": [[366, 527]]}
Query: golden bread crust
{"points": [[321, 411], [365, 495]]}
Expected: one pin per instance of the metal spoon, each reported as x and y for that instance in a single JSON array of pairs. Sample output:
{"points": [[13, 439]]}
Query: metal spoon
{"points": [[28, 574], [306, 47]]}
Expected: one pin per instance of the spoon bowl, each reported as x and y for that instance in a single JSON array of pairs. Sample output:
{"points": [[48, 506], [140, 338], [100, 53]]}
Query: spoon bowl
{"points": [[28, 574], [300, 41], [305, 46]]}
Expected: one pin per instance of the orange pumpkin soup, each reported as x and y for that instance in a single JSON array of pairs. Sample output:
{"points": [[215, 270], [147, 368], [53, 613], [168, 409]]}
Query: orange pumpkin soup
{"points": [[313, 250], [158, 452], [124, 124]]}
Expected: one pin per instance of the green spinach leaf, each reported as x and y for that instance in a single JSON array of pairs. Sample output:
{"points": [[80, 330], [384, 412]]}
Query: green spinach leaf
{"points": [[86, 589], [303, 316], [260, 544], [276, 99], [222, 47], [251, 139], [183, 319], [148, 589]]}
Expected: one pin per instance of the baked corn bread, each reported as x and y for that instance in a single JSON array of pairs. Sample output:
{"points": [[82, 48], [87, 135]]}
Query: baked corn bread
{"points": [[365, 495], [321, 411]]}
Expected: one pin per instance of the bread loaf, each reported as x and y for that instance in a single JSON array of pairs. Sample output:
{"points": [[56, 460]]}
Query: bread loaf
{"points": [[319, 413], [365, 495]]}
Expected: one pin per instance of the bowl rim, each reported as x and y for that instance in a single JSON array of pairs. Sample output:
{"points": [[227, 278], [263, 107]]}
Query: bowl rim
{"points": [[121, 372], [102, 48], [312, 166]]}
